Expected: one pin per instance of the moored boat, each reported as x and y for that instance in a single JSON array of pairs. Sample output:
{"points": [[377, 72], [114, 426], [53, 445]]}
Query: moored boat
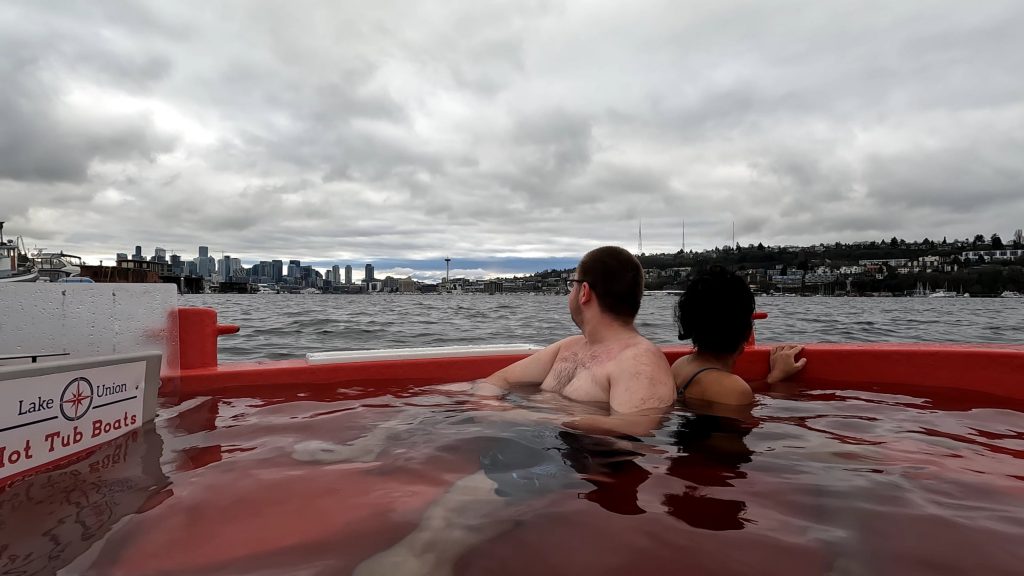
{"points": [[15, 265], [56, 266]]}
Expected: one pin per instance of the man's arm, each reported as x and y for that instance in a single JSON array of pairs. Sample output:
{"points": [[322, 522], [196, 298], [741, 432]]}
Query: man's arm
{"points": [[530, 370], [638, 424]]}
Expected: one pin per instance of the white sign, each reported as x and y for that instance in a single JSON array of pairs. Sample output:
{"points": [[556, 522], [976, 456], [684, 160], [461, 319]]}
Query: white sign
{"points": [[47, 418]]}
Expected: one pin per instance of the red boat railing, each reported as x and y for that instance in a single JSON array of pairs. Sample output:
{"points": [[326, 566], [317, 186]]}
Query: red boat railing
{"points": [[987, 369]]}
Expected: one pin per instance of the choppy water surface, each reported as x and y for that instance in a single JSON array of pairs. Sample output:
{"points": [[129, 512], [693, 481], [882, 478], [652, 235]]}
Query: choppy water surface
{"points": [[287, 326]]}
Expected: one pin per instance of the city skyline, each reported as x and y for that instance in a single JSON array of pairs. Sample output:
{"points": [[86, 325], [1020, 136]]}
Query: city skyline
{"points": [[426, 270], [351, 132]]}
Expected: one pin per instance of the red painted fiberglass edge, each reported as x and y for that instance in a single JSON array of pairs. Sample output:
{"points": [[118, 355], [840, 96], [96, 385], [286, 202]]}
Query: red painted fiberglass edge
{"points": [[991, 369]]}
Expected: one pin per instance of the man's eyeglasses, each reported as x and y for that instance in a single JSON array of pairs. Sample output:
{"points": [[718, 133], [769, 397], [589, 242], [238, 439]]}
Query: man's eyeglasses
{"points": [[570, 281]]}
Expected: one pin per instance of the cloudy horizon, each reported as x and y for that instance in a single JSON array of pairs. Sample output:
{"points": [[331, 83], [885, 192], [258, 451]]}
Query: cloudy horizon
{"points": [[500, 132]]}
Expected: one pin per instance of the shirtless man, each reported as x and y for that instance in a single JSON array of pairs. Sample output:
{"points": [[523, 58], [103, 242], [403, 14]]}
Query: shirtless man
{"points": [[610, 362]]}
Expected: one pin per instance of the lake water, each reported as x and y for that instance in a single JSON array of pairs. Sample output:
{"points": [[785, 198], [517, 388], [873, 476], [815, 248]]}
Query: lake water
{"points": [[278, 326]]}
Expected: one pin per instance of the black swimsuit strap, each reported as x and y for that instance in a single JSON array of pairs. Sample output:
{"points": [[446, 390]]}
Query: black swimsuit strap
{"points": [[695, 374]]}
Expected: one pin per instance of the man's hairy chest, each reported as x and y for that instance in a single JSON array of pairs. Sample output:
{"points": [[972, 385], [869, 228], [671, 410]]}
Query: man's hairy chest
{"points": [[580, 374]]}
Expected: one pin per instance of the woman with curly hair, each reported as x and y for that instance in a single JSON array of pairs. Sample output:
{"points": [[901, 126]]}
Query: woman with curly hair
{"points": [[716, 314]]}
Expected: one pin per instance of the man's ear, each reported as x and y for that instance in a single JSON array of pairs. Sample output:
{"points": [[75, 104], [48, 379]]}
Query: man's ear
{"points": [[586, 294]]}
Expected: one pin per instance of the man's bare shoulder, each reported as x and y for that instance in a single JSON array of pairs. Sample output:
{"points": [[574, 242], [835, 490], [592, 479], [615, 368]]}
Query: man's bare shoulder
{"points": [[641, 348], [569, 341], [641, 378]]}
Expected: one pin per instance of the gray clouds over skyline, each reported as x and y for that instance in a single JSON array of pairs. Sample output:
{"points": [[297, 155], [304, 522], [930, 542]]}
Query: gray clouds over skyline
{"points": [[356, 131]]}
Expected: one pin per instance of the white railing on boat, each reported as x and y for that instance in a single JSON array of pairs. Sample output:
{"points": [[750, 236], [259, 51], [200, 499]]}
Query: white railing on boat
{"points": [[414, 353]]}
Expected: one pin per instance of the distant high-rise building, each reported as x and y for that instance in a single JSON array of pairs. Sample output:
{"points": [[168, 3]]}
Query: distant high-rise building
{"points": [[138, 254], [336, 273], [307, 276], [159, 255], [348, 274], [368, 274], [224, 268], [177, 266], [263, 272], [122, 256], [277, 272], [205, 264], [294, 269]]}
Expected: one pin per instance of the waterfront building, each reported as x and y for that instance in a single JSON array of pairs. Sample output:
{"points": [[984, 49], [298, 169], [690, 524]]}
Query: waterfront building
{"points": [[146, 266], [229, 267], [294, 269], [348, 274], [990, 255], [262, 272], [407, 285], [894, 262], [390, 284], [205, 264], [277, 270], [222, 268], [121, 256], [336, 274], [368, 275]]}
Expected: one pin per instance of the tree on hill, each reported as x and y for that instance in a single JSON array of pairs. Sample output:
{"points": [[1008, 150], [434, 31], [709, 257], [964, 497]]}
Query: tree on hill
{"points": [[997, 242], [978, 239], [894, 242]]}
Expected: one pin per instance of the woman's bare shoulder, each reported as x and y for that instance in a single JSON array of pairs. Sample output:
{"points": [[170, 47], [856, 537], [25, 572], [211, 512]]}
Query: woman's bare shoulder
{"points": [[722, 387]]}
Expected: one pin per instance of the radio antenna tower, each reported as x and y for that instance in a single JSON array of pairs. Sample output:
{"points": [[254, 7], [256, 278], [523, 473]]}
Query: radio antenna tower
{"points": [[447, 262], [640, 238]]}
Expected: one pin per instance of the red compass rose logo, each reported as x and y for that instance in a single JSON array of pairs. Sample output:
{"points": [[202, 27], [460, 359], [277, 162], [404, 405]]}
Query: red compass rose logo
{"points": [[76, 399]]}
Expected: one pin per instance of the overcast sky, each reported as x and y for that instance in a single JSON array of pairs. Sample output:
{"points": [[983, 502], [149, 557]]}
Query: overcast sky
{"points": [[357, 131]]}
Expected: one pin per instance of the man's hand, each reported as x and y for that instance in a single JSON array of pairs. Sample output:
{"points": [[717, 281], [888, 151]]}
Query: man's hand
{"points": [[784, 363]]}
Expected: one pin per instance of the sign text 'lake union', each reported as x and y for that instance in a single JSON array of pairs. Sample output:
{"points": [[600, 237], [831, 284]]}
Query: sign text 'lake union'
{"points": [[47, 418]]}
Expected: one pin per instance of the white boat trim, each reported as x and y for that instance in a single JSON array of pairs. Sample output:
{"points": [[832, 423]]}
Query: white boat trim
{"points": [[345, 356]]}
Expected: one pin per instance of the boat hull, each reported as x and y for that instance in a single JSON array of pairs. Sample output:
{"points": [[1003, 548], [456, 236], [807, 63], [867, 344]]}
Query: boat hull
{"points": [[30, 277]]}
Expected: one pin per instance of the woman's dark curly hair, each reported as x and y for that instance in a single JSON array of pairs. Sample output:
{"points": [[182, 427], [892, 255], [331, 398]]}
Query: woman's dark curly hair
{"points": [[716, 311]]}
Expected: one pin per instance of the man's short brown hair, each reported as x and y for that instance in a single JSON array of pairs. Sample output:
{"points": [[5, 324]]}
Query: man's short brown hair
{"points": [[617, 279]]}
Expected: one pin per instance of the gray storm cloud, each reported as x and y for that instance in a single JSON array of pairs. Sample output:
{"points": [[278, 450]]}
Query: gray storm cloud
{"points": [[324, 130]]}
